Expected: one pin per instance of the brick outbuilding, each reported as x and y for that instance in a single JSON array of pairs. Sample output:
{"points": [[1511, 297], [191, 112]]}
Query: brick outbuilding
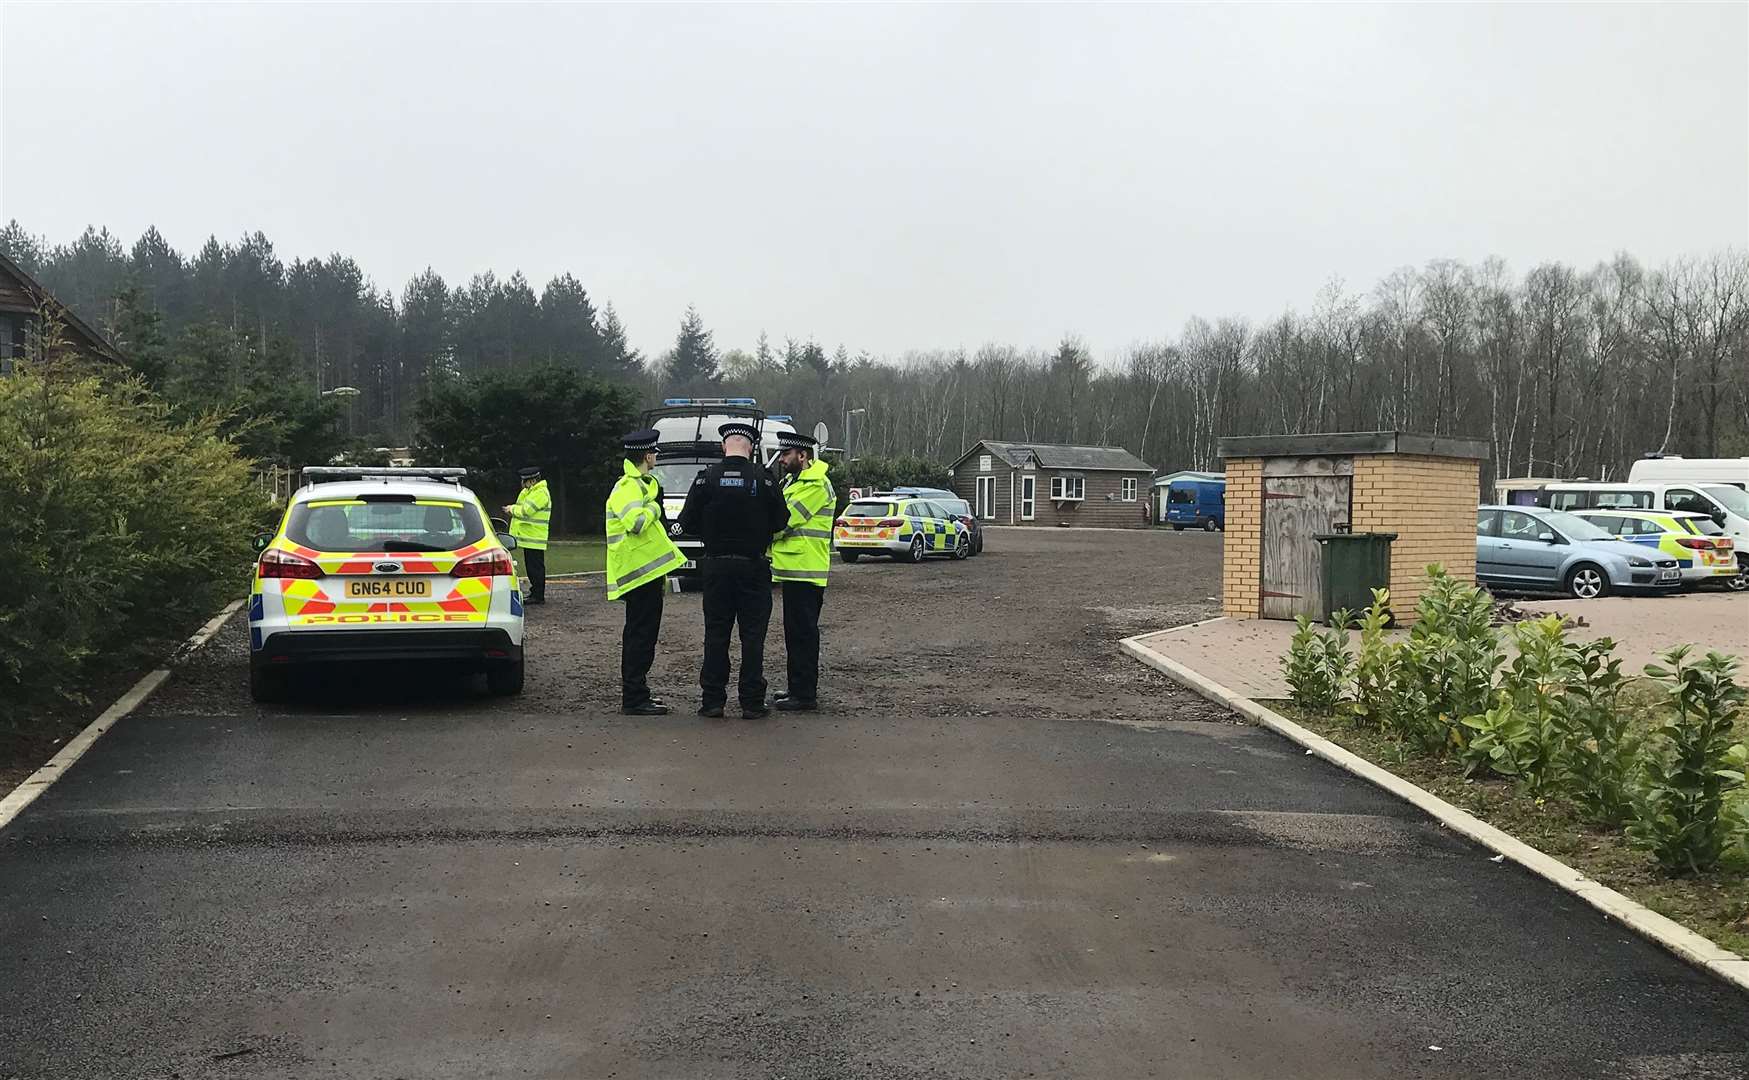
{"points": [[1282, 490]]}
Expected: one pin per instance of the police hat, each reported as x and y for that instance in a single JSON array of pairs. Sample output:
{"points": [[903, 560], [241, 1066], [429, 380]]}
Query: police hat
{"points": [[746, 431], [795, 440], [531, 472], [641, 441]]}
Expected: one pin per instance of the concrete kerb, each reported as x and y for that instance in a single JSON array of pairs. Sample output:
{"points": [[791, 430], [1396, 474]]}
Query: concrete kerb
{"points": [[1698, 951], [38, 782]]}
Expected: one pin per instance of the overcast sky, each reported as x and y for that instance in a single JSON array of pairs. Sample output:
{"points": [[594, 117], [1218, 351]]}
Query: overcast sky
{"points": [[890, 177]]}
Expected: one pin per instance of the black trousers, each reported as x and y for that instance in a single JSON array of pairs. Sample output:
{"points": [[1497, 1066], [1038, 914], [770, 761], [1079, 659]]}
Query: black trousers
{"points": [[801, 638], [535, 559], [736, 591], [637, 646]]}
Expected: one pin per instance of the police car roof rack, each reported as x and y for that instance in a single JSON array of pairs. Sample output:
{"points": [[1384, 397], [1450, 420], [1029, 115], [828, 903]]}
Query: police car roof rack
{"points": [[329, 474]]}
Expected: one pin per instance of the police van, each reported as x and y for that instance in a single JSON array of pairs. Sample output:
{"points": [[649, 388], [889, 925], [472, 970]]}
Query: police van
{"points": [[688, 443]]}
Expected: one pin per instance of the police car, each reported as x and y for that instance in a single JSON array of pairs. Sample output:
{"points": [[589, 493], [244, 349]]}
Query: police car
{"points": [[901, 526], [1701, 549], [384, 564]]}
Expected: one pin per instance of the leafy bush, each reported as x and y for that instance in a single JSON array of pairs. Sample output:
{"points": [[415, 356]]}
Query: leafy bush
{"points": [[1318, 666], [119, 526], [1453, 652], [884, 474], [1694, 764], [566, 423], [1375, 671], [1600, 747]]}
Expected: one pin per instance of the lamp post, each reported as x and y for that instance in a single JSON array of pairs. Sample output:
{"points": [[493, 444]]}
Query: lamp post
{"points": [[848, 413]]}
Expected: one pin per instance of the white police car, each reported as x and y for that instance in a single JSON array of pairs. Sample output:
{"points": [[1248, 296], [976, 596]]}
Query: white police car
{"points": [[384, 564]]}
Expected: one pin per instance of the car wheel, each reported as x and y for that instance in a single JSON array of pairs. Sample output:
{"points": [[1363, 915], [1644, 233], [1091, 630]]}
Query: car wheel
{"points": [[849, 556], [1587, 581], [1740, 581], [266, 685], [917, 549], [504, 679], [1209, 525], [962, 549]]}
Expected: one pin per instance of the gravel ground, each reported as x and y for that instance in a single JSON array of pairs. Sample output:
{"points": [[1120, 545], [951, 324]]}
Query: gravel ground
{"points": [[1005, 850]]}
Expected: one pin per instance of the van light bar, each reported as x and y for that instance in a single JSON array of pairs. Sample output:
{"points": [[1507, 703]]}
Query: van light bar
{"points": [[781, 416], [710, 401]]}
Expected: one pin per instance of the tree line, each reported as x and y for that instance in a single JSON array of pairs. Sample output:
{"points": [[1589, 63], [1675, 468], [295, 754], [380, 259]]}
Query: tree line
{"points": [[1564, 371]]}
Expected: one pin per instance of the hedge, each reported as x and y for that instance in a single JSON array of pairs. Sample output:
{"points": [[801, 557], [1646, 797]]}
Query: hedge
{"points": [[119, 528]]}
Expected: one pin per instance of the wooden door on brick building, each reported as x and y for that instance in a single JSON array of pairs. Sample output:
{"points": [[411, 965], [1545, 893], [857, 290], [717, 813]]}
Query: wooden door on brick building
{"points": [[1296, 509]]}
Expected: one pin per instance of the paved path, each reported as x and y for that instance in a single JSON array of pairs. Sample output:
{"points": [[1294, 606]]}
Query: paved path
{"points": [[1006, 852]]}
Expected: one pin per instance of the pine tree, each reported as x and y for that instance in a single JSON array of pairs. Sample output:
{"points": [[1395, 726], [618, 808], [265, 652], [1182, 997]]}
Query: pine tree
{"points": [[618, 357], [138, 333], [694, 359]]}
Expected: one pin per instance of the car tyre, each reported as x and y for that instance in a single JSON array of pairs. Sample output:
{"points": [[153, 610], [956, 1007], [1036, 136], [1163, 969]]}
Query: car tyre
{"points": [[915, 554], [1587, 581], [962, 549], [1209, 525], [504, 679], [849, 556], [268, 686], [1739, 582]]}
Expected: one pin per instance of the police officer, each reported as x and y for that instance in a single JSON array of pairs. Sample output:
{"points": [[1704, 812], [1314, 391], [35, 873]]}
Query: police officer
{"points": [[530, 515], [800, 558], [735, 506], [639, 558]]}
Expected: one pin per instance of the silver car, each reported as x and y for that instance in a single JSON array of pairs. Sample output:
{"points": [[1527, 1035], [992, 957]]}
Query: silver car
{"points": [[1532, 549]]}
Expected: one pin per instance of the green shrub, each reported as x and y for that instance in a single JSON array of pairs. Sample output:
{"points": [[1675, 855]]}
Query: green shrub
{"points": [[1693, 766], [1600, 748], [1375, 669], [884, 474], [118, 527], [1318, 666]]}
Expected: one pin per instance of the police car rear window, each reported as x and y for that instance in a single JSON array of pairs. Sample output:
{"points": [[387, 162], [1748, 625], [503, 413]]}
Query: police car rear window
{"points": [[379, 524], [869, 509]]}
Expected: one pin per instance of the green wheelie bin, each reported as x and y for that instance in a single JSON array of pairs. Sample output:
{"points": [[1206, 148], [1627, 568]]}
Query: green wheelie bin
{"points": [[1354, 565]]}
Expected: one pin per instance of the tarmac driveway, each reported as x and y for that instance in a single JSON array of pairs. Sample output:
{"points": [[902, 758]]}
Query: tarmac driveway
{"points": [[1005, 851]]}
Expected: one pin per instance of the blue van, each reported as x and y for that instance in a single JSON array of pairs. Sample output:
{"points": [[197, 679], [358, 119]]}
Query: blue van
{"points": [[1198, 503]]}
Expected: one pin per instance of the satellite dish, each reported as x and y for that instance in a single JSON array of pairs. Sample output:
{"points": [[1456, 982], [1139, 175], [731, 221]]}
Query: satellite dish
{"points": [[820, 433]]}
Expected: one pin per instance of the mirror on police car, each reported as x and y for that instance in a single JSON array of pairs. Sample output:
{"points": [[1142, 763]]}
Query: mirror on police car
{"points": [[261, 541], [499, 525], [507, 540]]}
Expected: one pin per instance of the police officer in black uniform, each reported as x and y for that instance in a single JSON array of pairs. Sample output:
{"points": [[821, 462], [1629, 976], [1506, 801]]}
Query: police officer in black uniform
{"points": [[736, 507]]}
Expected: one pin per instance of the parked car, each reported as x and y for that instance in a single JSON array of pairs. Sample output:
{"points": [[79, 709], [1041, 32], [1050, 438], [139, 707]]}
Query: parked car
{"points": [[1534, 549], [955, 505], [1702, 551], [1726, 504], [901, 527]]}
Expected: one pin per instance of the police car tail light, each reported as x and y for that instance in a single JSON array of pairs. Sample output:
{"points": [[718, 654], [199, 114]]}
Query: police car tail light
{"points": [[1695, 543], [495, 563], [890, 523], [283, 564]]}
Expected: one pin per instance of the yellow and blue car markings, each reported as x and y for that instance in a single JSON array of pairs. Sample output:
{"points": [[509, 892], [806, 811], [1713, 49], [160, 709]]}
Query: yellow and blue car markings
{"points": [[863, 533], [1667, 541]]}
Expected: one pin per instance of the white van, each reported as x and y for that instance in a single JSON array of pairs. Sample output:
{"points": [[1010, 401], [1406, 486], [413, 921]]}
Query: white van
{"points": [[688, 443], [1726, 503], [1670, 469]]}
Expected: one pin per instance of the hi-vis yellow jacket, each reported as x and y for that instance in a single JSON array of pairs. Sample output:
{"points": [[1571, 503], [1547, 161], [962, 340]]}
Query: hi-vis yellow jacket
{"points": [[638, 550], [803, 551], [531, 515]]}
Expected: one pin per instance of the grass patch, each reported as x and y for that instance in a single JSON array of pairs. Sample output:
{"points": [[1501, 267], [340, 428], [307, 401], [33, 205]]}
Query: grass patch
{"points": [[571, 557], [1715, 905]]}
